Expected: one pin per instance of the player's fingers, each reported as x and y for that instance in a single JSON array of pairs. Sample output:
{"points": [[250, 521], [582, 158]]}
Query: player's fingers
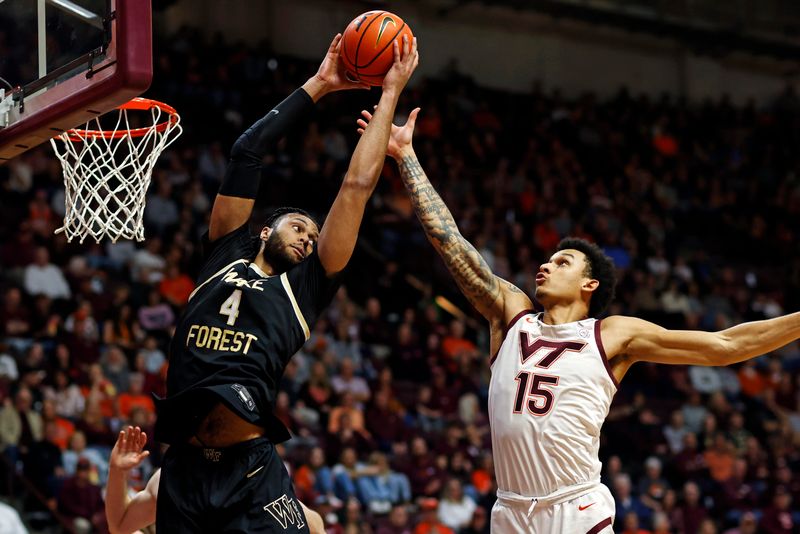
{"points": [[413, 46], [396, 51], [143, 455], [412, 117], [336, 40], [361, 123], [360, 131], [366, 114], [406, 46]]}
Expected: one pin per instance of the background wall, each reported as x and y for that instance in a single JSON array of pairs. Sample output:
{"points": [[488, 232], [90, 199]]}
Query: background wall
{"points": [[501, 48]]}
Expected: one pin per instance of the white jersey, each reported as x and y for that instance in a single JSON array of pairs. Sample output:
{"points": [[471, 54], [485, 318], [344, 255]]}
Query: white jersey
{"points": [[550, 391]]}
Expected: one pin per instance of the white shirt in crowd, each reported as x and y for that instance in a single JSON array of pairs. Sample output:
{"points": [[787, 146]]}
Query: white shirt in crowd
{"points": [[46, 280]]}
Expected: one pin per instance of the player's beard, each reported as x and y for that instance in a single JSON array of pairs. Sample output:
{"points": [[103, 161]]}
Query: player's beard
{"points": [[276, 253]]}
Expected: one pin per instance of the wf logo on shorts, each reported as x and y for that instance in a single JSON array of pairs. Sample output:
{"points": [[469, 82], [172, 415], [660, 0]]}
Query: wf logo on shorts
{"points": [[286, 512]]}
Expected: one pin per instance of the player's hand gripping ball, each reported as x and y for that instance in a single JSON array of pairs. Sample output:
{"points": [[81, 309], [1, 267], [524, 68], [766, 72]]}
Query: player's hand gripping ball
{"points": [[367, 45]]}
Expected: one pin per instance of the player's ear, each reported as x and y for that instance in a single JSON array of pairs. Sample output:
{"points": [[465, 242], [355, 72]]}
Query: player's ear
{"points": [[265, 233], [590, 285]]}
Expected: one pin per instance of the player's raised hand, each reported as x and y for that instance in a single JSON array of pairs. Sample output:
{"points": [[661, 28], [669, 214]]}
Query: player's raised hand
{"points": [[400, 137], [331, 73], [406, 59], [127, 452]]}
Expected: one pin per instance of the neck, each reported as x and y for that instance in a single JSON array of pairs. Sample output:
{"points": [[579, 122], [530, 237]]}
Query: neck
{"points": [[265, 266], [565, 313]]}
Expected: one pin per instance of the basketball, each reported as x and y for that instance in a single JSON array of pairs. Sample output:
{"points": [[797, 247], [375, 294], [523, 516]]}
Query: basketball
{"points": [[367, 45]]}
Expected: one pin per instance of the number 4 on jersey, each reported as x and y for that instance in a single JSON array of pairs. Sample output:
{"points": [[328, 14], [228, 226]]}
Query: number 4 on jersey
{"points": [[540, 399], [231, 306]]}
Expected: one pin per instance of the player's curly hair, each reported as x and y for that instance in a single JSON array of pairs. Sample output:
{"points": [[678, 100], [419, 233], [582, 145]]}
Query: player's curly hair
{"points": [[278, 213], [598, 266]]}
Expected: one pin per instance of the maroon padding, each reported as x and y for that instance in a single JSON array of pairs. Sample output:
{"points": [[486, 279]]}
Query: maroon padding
{"points": [[79, 99], [599, 341], [508, 327], [600, 526]]}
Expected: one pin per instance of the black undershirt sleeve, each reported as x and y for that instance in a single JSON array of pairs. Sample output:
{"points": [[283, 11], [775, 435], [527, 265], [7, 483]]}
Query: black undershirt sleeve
{"points": [[244, 168]]}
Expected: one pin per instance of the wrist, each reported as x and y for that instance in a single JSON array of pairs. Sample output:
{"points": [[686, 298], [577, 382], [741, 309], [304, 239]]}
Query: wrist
{"points": [[316, 88], [405, 152], [391, 94]]}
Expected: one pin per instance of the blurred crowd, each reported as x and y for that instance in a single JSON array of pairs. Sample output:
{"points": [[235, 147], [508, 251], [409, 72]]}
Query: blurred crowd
{"points": [[697, 204]]}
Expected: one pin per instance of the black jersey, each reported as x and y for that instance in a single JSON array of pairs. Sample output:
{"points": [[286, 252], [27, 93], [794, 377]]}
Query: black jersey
{"points": [[236, 335]]}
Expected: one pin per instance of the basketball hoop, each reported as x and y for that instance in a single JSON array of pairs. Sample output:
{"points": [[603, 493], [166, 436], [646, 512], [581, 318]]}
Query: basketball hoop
{"points": [[107, 170]]}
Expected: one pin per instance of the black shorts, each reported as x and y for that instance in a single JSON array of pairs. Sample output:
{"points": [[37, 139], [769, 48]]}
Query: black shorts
{"points": [[239, 489]]}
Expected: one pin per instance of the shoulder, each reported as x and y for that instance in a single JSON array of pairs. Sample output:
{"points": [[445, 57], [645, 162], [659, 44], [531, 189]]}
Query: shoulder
{"points": [[152, 484], [619, 330]]}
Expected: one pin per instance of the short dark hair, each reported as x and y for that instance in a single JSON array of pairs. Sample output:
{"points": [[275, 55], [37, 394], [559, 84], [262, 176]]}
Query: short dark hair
{"points": [[278, 213], [598, 266]]}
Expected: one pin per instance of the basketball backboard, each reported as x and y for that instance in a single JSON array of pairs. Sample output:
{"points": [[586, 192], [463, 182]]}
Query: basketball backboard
{"points": [[63, 62]]}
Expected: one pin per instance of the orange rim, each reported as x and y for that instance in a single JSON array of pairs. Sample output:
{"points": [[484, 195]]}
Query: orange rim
{"points": [[138, 104]]}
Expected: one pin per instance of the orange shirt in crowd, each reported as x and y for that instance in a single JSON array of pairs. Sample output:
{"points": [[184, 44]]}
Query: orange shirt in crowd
{"points": [[177, 290], [128, 402], [752, 382], [64, 431], [720, 464]]}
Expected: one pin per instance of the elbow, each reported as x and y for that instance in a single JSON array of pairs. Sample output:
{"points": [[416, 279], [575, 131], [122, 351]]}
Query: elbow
{"points": [[724, 351], [361, 184]]}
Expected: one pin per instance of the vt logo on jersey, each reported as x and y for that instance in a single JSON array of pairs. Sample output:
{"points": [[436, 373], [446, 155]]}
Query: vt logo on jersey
{"points": [[557, 348], [286, 512], [536, 387], [385, 22]]}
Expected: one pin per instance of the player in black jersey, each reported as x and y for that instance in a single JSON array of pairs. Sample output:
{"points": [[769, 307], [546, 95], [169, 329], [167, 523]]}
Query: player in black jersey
{"points": [[252, 310]]}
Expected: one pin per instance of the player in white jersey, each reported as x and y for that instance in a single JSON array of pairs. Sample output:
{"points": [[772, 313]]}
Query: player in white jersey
{"points": [[554, 374]]}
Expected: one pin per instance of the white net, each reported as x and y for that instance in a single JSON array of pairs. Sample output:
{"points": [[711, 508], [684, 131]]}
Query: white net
{"points": [[107, 171]]}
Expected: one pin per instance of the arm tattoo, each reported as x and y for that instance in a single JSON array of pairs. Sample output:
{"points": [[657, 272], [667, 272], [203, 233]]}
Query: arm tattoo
{"points": [[469, 269]]}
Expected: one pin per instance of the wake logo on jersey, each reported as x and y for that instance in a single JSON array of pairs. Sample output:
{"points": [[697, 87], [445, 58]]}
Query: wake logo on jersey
{"points": [[232, 277], [286, 512]]}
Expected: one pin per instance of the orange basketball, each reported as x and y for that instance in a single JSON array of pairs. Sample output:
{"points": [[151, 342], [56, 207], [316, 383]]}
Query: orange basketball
{"points": [[367, 45]]}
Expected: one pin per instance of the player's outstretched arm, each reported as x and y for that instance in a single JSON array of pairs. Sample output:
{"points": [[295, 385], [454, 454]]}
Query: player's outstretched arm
{"points": [[496, 299], [641, 340], [340, 231], [234, 202], [315, 523], [129, 515]]}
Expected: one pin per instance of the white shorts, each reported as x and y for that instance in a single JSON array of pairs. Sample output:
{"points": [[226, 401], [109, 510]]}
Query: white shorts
{"points": [[590, 513]]}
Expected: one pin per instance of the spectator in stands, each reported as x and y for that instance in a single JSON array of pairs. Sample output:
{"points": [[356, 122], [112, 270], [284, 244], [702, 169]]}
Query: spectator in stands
{"points": [[398, 522], [156, 316], [747, 525], [691, 512], [778, 517], [380, 487], [387, 424], [62, 428], [176, 286], [66, 395], [429, 521], [79, 448], [455, 508], [115, 368], [122, 329], [675, 431], [135, 398], [15, 319], [20, 426], [81, 501], [43, 463], [44, 278], [626, 502], [630, 524], [347, 382]]}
